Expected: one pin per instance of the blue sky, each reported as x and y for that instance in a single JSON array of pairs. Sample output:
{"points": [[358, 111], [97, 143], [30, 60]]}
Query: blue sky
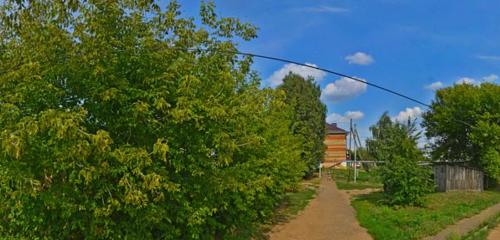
{"points": [[400, 44]]}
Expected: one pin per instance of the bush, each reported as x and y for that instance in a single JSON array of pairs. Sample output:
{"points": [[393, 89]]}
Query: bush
{"points": [[405, 181]]}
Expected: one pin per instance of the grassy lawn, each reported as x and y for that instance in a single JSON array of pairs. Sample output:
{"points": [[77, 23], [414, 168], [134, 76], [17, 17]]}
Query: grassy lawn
{"points": [[292, 204], [364, 179], [441, 209]]}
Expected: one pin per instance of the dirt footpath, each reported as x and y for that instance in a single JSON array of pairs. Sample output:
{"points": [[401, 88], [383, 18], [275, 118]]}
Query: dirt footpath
{"points": [[467, 224], [494, 234], [328, 216]]}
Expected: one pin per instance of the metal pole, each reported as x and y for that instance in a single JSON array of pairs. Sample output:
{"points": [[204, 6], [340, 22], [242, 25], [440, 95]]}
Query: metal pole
{"points": [[355, 158], [349, 164], [320, 170], [350, 137]]}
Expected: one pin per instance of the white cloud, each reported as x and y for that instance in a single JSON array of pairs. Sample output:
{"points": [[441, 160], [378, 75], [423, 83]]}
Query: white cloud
{"points": [[324, 9], [473, 81], [466, 80], [342, 89], [435, 86], [490, 78], [354, 115], [338, 118], [489, 57], [277, 77], [360, 58], [408, 113]]}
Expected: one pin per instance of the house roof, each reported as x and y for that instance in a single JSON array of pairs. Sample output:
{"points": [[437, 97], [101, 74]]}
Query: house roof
{"points": [[332, 129]]}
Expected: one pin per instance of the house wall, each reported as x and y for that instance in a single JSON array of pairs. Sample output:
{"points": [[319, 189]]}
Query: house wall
{"points": [[335, 147], [458, 178]]}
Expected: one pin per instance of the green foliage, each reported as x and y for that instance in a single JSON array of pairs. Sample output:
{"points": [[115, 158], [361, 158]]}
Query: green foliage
{"points": [[308, 118], [464, 120], [410, 222], [113, 125], [405, 182]]}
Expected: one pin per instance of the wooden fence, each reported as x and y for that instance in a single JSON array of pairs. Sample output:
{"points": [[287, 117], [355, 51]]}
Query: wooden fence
{"points": [[458, 178]]}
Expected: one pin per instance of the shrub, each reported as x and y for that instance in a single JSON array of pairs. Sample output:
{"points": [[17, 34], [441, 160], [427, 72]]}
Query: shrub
{"points": [[405, 181]]}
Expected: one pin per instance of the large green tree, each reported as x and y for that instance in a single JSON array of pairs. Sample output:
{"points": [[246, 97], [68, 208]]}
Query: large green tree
{"points": [[308, 118], [464, 121], [122, 119], [395, 145]]}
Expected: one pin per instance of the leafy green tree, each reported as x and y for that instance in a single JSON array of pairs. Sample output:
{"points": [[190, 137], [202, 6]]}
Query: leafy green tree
{"points": [[123, 120], [464, 121], [405, 181], [308, 118]]}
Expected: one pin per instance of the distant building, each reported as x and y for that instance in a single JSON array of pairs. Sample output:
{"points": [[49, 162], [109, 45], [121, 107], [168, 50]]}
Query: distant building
{"points": [[335, 142]]}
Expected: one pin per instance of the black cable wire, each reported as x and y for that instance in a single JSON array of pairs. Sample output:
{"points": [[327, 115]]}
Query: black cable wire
{"points": [[335, 73], [341, 75]]}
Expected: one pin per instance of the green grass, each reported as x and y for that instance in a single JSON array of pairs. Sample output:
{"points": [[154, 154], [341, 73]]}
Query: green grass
{"points": [[363, 181], [292, 204], [441, 209], [296, 201], [481, 232]]}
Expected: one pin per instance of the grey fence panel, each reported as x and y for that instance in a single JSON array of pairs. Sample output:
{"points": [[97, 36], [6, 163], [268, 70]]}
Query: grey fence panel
{"points": [[458, 178]]}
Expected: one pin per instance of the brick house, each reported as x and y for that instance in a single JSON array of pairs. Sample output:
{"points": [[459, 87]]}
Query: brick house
{"points": [[335, 142]]}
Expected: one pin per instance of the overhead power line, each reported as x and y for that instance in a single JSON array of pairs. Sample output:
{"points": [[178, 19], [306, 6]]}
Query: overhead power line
{"points": [[335, 73], [341, 75]]}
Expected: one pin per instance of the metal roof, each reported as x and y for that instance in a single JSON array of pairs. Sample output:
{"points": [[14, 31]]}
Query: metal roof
{"points": [[333, 129]]}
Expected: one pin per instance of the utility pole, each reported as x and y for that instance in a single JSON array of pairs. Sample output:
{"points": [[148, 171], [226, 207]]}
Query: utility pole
{"points": [[320, 170], [355, 158], [350, 152]]}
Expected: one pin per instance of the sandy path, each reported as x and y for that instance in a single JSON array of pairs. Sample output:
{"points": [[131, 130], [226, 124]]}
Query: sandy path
{"points": [[328, 216], [468, 224]]}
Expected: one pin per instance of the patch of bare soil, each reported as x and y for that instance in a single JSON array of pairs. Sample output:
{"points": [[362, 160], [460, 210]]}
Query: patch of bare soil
{"points": [[494, 234]]}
